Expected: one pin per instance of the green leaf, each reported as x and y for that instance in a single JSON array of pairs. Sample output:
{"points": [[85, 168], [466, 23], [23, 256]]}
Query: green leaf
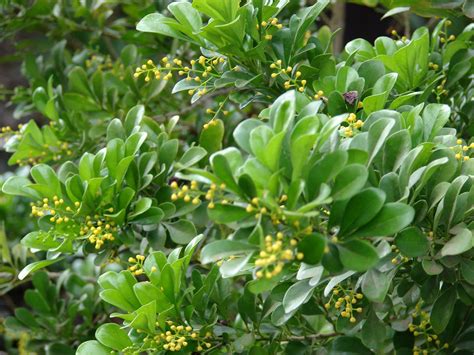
{"points": [[227, 213], [349, 181], [222, 169], [114, 153], [242, 133], [141, 206], [153, 215], [378, 133], [363, 50], [40, 240], [345, 345], [187, 16], [224, 248], [370, 70], [325, 170], [80, 103], [412, 242], [44, 175], [157, 23], [380, 93], [375, 284], [113, 336], [78, 81], [358, 255], [344, 78], [374, 332], [361, 209], [225, 11], [392, 218], [410, 61], [282, 112], [431, 267], [211, 137], [18, 185], [467, 270], [434, 118], [395, 150], [297, 294], [30, 268], [460, 243], [92, 347], [312, 246], [443, 309], [181, 231]]}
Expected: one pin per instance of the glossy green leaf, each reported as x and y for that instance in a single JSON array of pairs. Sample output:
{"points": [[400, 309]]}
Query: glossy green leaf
{"points": [[358, 255], [392, 218], [111, 335], [412, 242], [312, 246], [223, 248], [443, 309], [349, 181]]}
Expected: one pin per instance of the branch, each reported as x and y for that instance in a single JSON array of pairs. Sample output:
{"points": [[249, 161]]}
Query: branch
{"points": [[338, 19], [163, 117], [313, 336]]}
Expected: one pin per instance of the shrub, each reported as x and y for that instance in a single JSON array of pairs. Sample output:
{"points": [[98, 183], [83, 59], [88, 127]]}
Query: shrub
{"points": [[306, 201]]}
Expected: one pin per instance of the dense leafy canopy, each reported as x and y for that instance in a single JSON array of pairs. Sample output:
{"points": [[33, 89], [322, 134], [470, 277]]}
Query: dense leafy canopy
{"points": [[304, 201]]}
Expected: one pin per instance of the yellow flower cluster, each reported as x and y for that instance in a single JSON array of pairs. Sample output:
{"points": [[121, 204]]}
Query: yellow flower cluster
{"points": [[423, 329], [50, 152], [200, 70], [398, 259], [189, 193], [212, 122], [266, 25], [276, 215], [272, 259], [177, 337], [212, 192], [99, 62], [215, 113], [345, 302], [395, 34], [137, 264], [98, 229], [7, 129], [440, 90], [272, 22], [319, 95], [462, 151], [444, 39], [56, 209], [292, 80], [354, 125], [433, 66]]}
